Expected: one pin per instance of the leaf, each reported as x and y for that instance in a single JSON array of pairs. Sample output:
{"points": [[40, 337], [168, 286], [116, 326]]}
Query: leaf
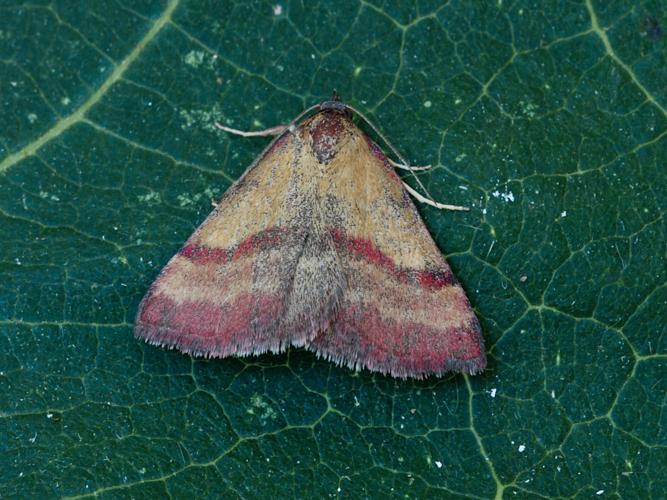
{"points": [[548, 120]]}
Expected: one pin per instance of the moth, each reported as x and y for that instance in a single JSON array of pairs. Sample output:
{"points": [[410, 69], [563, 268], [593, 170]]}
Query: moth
{"points": [[317, 245]]}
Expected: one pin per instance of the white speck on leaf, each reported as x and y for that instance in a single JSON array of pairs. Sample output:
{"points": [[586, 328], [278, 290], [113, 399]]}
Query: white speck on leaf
{"points": [[151, 197], [493, 392], [428, 104], [599, 492], [522, 448], [528, 108], [194, 58], [438, 464], [184, 199], [207, 118], [44, 195], [263, 408], [507, 196], [32, 117], [277, 9]]}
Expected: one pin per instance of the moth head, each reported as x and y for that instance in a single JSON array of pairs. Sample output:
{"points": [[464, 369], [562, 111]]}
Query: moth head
{"points": [[336, 104]]}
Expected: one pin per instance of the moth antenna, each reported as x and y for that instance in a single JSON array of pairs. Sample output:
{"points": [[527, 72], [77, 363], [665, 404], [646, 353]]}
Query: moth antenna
{"points": [[408, 167], [429, 200], [278, 129]]}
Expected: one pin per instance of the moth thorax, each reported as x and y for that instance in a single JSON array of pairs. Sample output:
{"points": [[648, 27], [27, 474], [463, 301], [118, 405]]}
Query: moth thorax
{"points": [[326, 131]]}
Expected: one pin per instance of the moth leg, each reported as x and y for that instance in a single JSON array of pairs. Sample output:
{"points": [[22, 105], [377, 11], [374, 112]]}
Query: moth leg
{"points": [[431, 202], [418, 197], [412, 168], [277, 130]]}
